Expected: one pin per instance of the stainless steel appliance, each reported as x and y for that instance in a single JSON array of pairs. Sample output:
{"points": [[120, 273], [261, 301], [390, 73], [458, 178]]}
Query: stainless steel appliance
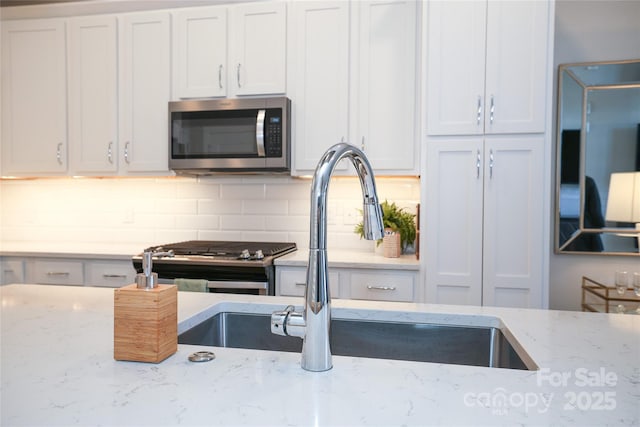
{"points": [[230, 135], [229, 267]]}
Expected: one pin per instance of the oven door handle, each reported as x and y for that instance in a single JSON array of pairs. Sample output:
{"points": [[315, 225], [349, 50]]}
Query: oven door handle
{"points": [[221, 284], [260, 133]]}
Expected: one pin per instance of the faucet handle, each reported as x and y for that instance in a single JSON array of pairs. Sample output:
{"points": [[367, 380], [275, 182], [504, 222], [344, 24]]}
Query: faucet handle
{"points": [[287, 322]]}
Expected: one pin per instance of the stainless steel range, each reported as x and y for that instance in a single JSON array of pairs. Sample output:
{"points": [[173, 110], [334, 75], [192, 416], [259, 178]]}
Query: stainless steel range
{"points": [[230, 267]]}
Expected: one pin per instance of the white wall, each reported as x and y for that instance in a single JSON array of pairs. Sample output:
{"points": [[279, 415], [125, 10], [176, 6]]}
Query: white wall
{"points": [[589, 30], [140, 212]]}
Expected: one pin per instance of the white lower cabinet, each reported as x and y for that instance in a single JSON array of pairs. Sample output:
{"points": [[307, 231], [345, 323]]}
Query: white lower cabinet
{"points": [[485, 233], [353, 283], [107, 273], [55, 272], [291, 281], [381, 286], [11, 270], [113, 273]]}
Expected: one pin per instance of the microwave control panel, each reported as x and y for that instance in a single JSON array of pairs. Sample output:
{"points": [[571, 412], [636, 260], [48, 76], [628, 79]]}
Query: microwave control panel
{"points": [[273, 133]]}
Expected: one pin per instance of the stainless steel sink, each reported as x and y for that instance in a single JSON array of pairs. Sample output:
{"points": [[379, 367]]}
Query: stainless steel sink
{"points": [[422, 342]]}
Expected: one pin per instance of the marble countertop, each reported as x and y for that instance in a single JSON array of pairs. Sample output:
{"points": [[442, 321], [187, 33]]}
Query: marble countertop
{"points": [[352, 259], [57, 368]]}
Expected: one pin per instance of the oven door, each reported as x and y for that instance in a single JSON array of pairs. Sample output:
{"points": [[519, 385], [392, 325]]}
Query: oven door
{"points": [[231, 286]]}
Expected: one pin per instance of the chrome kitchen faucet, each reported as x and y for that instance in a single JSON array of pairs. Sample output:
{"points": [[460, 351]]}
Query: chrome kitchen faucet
{"points": [[312, 325]]}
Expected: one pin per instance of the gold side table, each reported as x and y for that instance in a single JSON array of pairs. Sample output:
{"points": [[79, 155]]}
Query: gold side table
{"points": [[598, 298]]}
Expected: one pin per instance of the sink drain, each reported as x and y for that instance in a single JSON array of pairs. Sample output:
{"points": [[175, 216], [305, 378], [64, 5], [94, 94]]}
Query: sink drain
{"points": [[202, 356]]}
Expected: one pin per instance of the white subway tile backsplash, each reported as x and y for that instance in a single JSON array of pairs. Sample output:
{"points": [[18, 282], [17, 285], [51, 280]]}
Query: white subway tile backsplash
{"points": [[153, 211]]}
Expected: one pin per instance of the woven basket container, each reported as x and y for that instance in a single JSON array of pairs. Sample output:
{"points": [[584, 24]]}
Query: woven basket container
{"points": [[391, 244]]}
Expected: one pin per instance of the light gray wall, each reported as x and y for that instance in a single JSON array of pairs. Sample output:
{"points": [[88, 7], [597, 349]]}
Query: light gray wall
{"points": [[588, 30]]}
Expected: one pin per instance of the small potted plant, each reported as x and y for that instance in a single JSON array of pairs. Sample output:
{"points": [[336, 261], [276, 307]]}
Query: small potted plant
{"points": [[399, 227]]}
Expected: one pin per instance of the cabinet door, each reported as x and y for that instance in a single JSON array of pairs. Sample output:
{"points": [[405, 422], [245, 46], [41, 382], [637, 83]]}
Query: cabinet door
{"points": [[513, 227], [145, 91], [386, 79], [34, 100], [200, 52], [516, 83], [93, 103], [453, 226], [455, 67], [260, 48], [321, 73]]}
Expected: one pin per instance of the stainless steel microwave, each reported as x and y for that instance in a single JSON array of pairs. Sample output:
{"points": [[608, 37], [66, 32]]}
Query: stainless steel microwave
{"points": [[230, 135]]}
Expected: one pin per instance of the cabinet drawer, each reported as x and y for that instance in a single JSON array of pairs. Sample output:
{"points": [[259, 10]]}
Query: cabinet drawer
{"points": [[381, 286], [292, 282], [12, 271], [57, 272], [112, 274]]}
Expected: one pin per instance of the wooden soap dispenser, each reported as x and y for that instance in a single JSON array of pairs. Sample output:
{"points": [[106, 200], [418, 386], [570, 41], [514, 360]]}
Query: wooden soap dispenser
{"points": [[145, 326]]}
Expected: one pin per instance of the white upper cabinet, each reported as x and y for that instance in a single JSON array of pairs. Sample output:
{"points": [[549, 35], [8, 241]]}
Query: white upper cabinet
{"points": [[34, 99], [386, 102], [354, 79], [487, 66], [145, 82], [320, 91], [259, 35], [200, 52], [93, 95]]}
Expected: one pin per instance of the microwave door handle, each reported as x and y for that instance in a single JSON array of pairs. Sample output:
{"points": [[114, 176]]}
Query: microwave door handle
{"points": [[260, 133]]}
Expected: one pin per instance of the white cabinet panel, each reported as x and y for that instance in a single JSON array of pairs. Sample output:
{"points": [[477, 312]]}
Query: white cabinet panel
{"points": [[292, 281], [513, 226], [113, 274], [93, 95], [34, 99], [454, 221], [487, 66], [55, 272], [354, 283], [11, 271], [260, 31], [321, 73], [382, 286], [386, 81], [145, 53], [488, 206], [200, 52]]}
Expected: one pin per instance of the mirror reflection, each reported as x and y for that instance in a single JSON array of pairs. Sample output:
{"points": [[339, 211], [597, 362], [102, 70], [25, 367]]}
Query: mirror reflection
{"points": [[598, 170]]}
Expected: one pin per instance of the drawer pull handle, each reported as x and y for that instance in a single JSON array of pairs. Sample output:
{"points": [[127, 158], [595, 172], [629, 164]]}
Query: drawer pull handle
{"points": [[381, 288], [114, 276], [57, 273], [301, 284]]}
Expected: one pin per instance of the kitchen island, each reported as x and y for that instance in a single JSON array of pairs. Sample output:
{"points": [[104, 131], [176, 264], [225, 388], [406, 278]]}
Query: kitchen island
{"points": [[57, 368]]}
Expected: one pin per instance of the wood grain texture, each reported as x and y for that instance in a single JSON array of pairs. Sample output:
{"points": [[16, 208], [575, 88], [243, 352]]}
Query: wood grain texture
{"points": [[145, 323]]}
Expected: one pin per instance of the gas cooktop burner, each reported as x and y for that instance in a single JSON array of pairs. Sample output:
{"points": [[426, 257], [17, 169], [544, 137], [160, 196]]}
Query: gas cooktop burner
{"points": [[250, 251]]}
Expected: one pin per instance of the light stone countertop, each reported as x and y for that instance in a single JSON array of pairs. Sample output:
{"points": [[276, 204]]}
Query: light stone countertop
{"points": [[352, 259], [57, 368]]}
